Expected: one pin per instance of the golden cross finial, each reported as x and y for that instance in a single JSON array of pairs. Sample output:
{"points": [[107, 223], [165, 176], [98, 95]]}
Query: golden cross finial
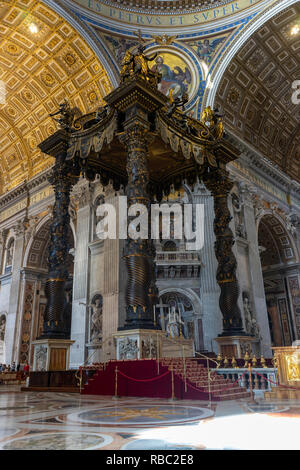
{"points": [[139, 36]]}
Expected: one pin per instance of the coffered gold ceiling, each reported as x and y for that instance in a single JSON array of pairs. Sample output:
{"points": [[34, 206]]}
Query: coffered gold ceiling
{"points": [[166, 5], [256, 92], [276, 243], [39, 71]]}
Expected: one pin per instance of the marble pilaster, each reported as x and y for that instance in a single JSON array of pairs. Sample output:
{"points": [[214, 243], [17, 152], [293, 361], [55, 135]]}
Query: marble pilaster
{"points": [[210, 291], [79, 325], [111, 285], [256, 276], [14, 313]]}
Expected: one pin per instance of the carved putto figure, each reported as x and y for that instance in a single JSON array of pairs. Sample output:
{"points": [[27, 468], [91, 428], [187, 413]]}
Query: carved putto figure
{"points": [[177, 102], [102, 112], [210, 120], [213, 120], [66, 115]]}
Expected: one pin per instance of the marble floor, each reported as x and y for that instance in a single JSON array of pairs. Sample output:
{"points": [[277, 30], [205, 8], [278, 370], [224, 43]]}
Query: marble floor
{"points": [[65, 421]]}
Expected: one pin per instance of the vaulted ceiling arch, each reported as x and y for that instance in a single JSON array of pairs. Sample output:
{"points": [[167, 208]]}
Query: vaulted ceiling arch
{"points": [[255, 92], [39, 69], [277, 247]]}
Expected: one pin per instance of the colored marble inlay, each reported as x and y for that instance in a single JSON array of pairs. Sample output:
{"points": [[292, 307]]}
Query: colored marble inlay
{"points": [[138, 415], [58, 441], [62, 421]]}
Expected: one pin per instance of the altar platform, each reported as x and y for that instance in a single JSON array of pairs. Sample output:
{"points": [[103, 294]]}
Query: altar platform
{"points": [[172, 378]]}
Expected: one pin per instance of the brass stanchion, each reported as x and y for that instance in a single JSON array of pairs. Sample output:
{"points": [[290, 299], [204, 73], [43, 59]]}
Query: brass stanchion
{"points": [[157, 353], [173, 398], [79, 378], [256, 382], [275, 364], [184, 369], [208, 371], [116, 396], [209, 381], [250, 385]]}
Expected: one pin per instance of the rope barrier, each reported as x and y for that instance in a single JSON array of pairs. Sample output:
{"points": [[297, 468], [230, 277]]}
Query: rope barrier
{"points": [[275, 383], [236, 381], [269, 380], [167, 372], [144, 380]]}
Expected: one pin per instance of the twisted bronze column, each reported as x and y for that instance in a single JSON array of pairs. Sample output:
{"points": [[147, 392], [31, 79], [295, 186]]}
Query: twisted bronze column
{"points": [[219, 184], [63, 176], [139, 254]]}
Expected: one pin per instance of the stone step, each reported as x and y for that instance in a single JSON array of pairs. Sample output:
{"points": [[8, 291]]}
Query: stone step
{"points": [[51, 389], [233, 396]]}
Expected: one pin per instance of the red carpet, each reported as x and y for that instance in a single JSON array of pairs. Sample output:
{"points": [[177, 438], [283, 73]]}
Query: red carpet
{"points": [[142, 380]]}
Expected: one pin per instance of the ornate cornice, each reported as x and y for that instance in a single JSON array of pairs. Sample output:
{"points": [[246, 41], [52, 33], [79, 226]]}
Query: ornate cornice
{"points": [[33, 274], [22, 189], [264, 167], [167, 5]]}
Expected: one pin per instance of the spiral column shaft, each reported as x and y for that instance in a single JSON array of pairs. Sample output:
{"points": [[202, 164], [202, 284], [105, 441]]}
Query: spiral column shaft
{"points": [[139, 254], [219, 184], [62, 178]]}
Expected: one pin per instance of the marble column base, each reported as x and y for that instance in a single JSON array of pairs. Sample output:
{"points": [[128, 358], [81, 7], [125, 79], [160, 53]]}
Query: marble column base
{"points": [[138, 344], [235, 346], [150, 344], [51, 354]]}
